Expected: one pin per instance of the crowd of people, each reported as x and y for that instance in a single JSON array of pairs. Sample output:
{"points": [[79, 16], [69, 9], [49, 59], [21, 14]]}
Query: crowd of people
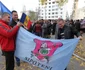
{"points": [[46, 28], [62, 29]]}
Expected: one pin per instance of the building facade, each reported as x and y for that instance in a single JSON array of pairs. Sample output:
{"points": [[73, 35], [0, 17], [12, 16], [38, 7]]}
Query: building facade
{"points": [[81, 13], [51, 10]]}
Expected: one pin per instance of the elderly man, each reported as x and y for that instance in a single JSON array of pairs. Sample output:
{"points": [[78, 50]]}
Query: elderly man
{"points": [[7, 39]]}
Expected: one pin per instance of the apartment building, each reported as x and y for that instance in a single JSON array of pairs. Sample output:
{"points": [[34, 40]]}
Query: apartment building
{"points": [[51, 10]]}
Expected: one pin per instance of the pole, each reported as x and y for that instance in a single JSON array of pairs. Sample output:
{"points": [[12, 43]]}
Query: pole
{"points": [[79, 57]]}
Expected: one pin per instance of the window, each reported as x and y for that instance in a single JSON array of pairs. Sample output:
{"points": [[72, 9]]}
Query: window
{"points": [[39, 8], [49, 10], [53, 9], [53, 2], [49, 6], [61, 16], [41, 17], [56, 16], [52, 16], [61, 12], [56, 12], [49, 13], [52, 13], [56, 9], [45, 3], [61, 9], [53, 6], [49, 2]]}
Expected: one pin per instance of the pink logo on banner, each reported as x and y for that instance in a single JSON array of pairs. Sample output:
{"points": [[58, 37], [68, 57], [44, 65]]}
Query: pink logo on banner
{"points": [[45, 49]]}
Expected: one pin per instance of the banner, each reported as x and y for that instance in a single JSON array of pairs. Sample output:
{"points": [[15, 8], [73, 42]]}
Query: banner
{"points": [[26, 20], [47, 54]]}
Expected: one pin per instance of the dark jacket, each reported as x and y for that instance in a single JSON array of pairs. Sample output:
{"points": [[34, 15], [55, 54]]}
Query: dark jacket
{"points": [[69, 32], [13, 23], [77, 25], [53, 28]]}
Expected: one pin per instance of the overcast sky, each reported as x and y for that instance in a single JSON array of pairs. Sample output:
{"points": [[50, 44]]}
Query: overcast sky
{"points": [[18, 4], [32, 4]]}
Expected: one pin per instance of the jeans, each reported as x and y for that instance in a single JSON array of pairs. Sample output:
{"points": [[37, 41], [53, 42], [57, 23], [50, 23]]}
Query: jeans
{"points": [[17, 61]]}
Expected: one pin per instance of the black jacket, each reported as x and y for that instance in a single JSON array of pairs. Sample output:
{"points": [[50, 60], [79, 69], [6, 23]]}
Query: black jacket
{"points": [[13, 23], [69, 32]]}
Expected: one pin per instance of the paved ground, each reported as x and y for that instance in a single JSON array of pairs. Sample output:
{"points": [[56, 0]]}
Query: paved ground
{"points": [[75, 63]]}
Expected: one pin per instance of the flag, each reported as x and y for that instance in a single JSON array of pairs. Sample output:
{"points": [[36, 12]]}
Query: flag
{"points": [[47, 54], [3, 8], [26, 20]]}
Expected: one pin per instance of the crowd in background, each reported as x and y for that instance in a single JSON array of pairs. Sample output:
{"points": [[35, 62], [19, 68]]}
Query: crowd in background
{"points": [[46, 28]]}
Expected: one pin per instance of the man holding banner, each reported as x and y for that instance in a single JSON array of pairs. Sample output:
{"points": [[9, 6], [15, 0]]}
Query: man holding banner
{"points": [[7, 39], [65, 32], [12, 24]]}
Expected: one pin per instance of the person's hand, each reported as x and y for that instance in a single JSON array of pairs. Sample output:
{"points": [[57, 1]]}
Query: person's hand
{"points": [[19, 24], [80, 37], [25, 27]]}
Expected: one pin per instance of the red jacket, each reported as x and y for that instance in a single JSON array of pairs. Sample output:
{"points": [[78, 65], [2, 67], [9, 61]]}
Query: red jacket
{"points": [[7, 36]]}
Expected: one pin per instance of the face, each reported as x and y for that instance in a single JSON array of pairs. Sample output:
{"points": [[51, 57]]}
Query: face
{"points": [[7, 18], [15, 16], [61, 24]]}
